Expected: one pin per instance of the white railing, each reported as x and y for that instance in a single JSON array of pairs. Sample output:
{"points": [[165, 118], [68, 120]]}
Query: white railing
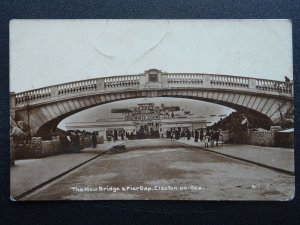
{"points": [[272, 85], [232, 81], [78, 86], [122, 81], [28, 96], [173, 80], [180, 78]]}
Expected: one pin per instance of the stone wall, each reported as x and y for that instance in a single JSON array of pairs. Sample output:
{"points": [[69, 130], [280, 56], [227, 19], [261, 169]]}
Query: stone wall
{"points": [[260, 138], [38, 148]]}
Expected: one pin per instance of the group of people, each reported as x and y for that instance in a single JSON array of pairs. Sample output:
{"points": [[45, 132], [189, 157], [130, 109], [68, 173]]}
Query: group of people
{"points": [[209, 137], [19, 133], [142, 133], [113, 135], [73, 141], [174, 134], [212, 138]]}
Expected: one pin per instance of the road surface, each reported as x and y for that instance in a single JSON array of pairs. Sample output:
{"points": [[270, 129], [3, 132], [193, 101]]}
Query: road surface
{"points": [[164, 169]]}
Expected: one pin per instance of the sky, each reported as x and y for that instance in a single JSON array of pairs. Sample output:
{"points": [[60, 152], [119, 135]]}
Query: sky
{"points": [[49, 52]]}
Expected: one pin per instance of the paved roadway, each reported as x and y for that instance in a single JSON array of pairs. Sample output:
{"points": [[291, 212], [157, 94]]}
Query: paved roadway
{"points": [[161, 169]]}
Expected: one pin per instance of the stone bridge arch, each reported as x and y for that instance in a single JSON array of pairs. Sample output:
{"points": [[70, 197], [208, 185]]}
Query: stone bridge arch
{"points": [[44, 108]]}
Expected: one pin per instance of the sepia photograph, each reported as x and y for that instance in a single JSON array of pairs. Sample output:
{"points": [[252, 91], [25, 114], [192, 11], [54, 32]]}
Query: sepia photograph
{"points": [[151, 110]]}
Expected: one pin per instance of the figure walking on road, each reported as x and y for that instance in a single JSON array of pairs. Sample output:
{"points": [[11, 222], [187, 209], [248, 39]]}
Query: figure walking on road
{"points": [[115, 135], [172, 135], [201, 134], [196, 135], [94, 140], [217, 136], [188, 134]]}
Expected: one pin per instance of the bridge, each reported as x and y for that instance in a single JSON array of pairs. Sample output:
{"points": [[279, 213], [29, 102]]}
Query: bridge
{"points": [[43, 109]]}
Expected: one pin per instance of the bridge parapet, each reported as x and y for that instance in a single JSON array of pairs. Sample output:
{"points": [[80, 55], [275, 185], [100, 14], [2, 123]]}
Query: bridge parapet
{"points": [[32, 95], [167, 81], [229, 81], [122, 81], [272, 85], [78, 86], [184, 79]]}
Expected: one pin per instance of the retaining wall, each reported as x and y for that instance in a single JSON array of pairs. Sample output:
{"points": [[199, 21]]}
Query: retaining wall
{"points": [[38, 148], [260, 138]]}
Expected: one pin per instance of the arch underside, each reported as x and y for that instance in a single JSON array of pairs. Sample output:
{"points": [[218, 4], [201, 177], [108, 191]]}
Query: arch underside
{"points": [[45, 118]]}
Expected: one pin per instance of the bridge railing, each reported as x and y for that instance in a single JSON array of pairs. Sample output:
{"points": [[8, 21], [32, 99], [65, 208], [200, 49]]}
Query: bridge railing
{"points": [[172, 80], [122, 81], [232, 81], [78, 86], [272, 85], [181, 78], [226, 81], [28, 96]]}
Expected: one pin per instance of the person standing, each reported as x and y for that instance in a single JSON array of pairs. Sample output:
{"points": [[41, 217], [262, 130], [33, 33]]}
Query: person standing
{"points": [[217, 136], [206, 138], [188, 134], [286, 79], [196, 135], [122, 135], [201, 134], [172, 135], [115, 135], [212, 138], [177, 134], [94, 140]]}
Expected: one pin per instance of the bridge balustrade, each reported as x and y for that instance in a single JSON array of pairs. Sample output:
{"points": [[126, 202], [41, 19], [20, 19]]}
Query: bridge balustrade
{"points": [[173, 80], [76, 87], [32, 95], [223, 80], [271, 85], [185, 78], [122, 81]]}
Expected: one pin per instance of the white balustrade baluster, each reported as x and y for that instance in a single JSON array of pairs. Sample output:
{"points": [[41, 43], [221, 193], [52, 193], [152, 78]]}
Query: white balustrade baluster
{"points": [[39, 93], [132, 80]]}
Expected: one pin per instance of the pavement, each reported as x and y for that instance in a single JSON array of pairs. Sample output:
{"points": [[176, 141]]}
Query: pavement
{"points": [[29, 173], [273, 157], [160, 169]]}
